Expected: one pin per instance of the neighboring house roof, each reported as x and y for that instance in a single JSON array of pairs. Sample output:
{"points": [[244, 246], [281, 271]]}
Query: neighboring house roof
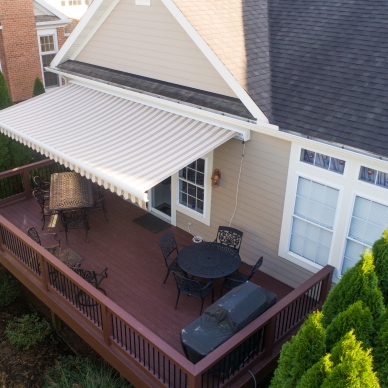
{"points": [[46, 14], [45, 18], [70, 27], [212, 101], [329, 61]]}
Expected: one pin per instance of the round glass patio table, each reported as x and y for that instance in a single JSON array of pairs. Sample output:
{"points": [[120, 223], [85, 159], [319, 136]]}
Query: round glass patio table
{"points": [[209, 260]]}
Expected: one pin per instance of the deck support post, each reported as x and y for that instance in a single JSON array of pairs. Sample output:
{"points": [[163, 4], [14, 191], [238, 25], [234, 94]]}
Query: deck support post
{"points": [[106, 323], [26, 183], [269, 336], [326, 284], [57, 322], [44, 272]]}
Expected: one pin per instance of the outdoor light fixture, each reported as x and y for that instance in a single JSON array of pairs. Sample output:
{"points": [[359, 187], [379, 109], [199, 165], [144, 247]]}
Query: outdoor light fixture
{"points": [[216, 177]]}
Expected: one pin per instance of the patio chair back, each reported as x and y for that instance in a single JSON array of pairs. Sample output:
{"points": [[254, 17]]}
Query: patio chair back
{"points": [[168, 246], [92, 277], [54, 249], [39, 196], [99, 194], [230, 237], [75, 219], [193, 288], [40, 184], [258, 264]]}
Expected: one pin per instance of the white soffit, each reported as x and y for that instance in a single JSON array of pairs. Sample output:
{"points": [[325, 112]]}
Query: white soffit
{"points": [[126, 146]]}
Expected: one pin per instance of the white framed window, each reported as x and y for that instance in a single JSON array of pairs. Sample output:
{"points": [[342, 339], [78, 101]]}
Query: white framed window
{"points": [[374, 177], [323, 161], [192, 190], [75, 2], [191, 186], [48, 47], [368, 221], [313, 221]]}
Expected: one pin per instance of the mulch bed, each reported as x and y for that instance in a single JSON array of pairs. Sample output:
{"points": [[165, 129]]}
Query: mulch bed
{"points": [[26, 368]]}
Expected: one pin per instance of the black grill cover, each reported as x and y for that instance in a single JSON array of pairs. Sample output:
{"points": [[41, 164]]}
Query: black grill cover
{"points": [[224, 318]]}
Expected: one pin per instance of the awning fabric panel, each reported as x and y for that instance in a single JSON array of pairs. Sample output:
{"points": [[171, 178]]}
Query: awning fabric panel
{"points": [[124, 145]]}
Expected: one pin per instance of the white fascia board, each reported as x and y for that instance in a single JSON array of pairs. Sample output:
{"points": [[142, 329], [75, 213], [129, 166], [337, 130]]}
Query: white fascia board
{"points": [[42, 4], [215, 61], [139, 194], [77, 31], [52, 24]]}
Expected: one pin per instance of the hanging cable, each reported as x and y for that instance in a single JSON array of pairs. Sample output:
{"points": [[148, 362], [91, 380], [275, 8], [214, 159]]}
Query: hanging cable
{"points": [[254, 378], [238, 183]]}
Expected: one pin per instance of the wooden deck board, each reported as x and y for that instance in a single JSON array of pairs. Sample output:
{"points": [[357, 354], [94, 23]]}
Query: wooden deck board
{"points": [[135, 265]]}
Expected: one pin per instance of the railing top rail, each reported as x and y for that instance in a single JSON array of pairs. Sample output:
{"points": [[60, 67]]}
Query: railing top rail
{"points": [[32, 166], [259, 322], [99, 297]]}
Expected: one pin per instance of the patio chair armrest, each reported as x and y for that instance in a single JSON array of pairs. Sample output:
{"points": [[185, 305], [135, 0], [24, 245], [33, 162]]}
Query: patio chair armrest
{"points": [[209, 284]]}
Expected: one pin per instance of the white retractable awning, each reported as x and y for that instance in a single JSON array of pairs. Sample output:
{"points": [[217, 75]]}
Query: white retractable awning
{"points": [[126, 146]]}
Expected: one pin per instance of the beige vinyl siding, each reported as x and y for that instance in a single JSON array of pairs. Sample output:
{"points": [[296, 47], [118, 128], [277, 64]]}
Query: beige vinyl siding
{"points": [[148, 41], [38, 12], [260, 202]]}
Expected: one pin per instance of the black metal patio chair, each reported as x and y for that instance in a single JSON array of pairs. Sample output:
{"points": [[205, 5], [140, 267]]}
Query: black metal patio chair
{"points": [[40, 198], [75, 219], [40, 184], [193, 287], [237, 278], [170, 252], [54, 249], [99, 194], [230, 237], [92, 277]]}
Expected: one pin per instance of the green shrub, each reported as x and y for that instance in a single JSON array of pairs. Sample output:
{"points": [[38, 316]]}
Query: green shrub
{"points": [[27, 331], [38, 87], [9, 289], [356, 317], [301, 353], [76, 372], [380, 354], [380, 253], [352, 366], [315, 376], [5, 98], [358, 283]]}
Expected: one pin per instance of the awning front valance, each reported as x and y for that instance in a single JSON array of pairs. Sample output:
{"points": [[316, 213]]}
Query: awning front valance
{"points": [[126, 146]]}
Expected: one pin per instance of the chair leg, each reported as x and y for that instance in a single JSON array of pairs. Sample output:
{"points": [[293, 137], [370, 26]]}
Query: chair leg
{"points": [[103, 209], [168, 273], [176, 304], [213, 295], [44, 220], [200, 312]]}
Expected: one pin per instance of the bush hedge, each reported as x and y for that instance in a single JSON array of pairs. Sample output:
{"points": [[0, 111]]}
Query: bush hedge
{"points": [[9, 289]]}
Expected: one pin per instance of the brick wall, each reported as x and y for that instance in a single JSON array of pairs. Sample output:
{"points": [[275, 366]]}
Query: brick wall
{"points": [[19, 49]]}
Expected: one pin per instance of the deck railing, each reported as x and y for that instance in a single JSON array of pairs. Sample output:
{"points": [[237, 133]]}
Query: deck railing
{"points": [[136, 352]]}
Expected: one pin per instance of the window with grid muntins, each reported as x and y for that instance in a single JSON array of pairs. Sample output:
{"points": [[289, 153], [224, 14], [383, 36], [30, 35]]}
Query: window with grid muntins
{"points": [[191, 185], [50, 79], [373, 177], [369, 219], [75, 2], [47, 43], [313, 221]]}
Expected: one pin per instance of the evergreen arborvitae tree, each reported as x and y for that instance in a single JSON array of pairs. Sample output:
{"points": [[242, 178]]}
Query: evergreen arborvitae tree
{"points": [[352, 366], [38, 87], [380, 253], [301, 353], [357, 317], [380, 354], [358, 283], [5, 98], [315, 376], [5, 102]]}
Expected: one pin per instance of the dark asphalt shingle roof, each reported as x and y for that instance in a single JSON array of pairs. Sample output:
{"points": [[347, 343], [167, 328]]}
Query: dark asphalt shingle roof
{"points": [[217, 102], [46, 18], [329, 67]]}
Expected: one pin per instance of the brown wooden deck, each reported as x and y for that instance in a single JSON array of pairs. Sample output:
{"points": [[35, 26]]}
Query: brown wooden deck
{"points": [[136, 267]]}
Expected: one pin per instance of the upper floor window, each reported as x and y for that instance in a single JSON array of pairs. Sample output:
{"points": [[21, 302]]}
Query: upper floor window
{"points": [[322, 161], [191, 185], [75, 2], [369, 219], [373, 177], [63, 3], [48, 49], [313, 221]]}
